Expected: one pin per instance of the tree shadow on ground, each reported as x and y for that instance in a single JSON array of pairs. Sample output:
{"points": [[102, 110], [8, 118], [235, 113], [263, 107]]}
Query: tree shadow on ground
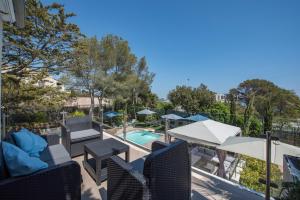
{"points": [[88, 195]]}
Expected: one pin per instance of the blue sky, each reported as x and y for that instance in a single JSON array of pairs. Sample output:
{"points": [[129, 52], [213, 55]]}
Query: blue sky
{"points": [[218, 43]]}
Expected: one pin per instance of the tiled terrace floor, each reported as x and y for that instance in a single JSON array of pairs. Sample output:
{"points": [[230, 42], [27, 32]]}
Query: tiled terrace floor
{"points": [[203, 186]]}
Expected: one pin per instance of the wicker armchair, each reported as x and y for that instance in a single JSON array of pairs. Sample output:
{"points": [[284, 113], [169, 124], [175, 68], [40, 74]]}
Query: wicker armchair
{"points": [[78, 131], [163, 174]]}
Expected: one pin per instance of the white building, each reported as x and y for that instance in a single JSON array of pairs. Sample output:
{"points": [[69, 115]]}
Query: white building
{"points": [[220, 97], [85, 102], [50, 82]]}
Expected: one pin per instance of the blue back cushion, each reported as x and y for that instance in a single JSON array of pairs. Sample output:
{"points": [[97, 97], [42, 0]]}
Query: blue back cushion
{"points": [[19, 162], [29, 142]]}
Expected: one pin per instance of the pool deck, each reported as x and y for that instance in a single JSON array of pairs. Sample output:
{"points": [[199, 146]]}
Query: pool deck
{"points": [[204, 186]]}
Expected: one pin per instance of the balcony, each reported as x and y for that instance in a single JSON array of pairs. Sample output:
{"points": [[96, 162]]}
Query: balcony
{"points": [[204, 185]]}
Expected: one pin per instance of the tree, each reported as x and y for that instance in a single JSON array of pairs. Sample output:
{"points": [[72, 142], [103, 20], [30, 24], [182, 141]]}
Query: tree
{"points": [[108, 69], [24, 101], [32, 53], [182, 96], [248, 114], [232, 96], [85, 68], [45, 43], [268, 100], [164, 107], [219, 111], [203, 98], [141, 86], [192, 100]]}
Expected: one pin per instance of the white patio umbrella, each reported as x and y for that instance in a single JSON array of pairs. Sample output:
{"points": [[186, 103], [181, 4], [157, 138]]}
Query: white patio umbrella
{"points": [[256, 148], [171, 117], [146, 112]]}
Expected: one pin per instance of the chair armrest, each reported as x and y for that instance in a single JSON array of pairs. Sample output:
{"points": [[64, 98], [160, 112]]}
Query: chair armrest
{"points": [[123, 182], [157, 145], [98, 127], [66, 137], [51, 139], [56, 182], [64, 128]]}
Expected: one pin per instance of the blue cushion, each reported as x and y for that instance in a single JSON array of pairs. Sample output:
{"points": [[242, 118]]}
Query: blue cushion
{"points": [[19, 162], [29, 142]]}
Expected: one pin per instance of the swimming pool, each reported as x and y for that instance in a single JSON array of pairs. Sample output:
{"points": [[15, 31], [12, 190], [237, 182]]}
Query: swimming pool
{"points": [[141, 137]]}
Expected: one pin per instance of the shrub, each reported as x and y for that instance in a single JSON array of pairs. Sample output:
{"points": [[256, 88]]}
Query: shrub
{"points": [[77, 113], [256, 169]]}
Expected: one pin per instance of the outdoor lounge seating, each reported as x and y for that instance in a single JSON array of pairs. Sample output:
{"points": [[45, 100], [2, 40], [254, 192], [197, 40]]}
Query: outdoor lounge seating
{"points": [[78, 131], [163, 174], [61, 180]]}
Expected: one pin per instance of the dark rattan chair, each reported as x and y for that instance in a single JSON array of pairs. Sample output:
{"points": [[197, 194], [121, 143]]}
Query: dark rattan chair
{"points": [[78, 131], [163, 174]]}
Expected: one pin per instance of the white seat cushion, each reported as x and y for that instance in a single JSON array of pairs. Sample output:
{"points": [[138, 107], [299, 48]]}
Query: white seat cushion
{"points": [[88, 133]]}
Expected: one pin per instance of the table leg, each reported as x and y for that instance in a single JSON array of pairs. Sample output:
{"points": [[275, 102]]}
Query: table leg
{"points": [[127, 156], [85, 156], [98, 171]]}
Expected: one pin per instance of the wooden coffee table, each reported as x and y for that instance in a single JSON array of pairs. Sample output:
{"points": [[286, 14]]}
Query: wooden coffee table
{"points": [[100, 151]]}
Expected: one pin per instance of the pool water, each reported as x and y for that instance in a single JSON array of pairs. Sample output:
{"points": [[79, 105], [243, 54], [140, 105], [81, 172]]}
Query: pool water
{"points": [[141, 137]]}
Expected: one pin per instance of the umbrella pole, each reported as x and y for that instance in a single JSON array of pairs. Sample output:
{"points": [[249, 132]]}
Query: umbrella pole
{"points": [[166, 131], [268, 172]]}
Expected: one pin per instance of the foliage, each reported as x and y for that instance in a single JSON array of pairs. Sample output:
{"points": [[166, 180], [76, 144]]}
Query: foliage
{"points": [[232, 96], [45, 43], [84, 68], [248, 114], [203, 98], [108, 69], [255, 128], [219, 112], [77, 113], [164, 107], [32, 53], [26, 98], [118, 120], [256, 169], [192, 100], [150, 118], [182, 96], [268, 100]]}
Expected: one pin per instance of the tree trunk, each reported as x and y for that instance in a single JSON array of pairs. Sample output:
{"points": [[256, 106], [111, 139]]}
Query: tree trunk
{"points": [[125, 121], [248, 115], [268, 118], [134, 104], [233, 111], [91, 112], [100, 99]]}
